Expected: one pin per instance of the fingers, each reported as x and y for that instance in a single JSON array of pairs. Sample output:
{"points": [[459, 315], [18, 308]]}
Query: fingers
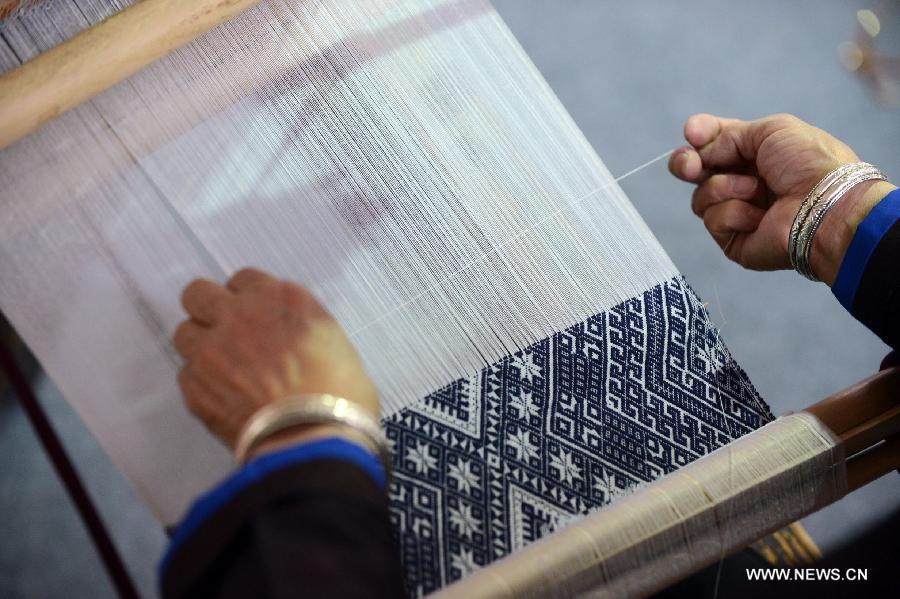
{"points": [[249, 278], [204, 301], [702, 129], [720, 188], [186, 337], [731, 217], [685, 163], [716, 143], [721, 143]]}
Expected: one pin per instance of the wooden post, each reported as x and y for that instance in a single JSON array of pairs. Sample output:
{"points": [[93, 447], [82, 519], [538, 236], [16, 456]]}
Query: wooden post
{"points": [[98, 58]]}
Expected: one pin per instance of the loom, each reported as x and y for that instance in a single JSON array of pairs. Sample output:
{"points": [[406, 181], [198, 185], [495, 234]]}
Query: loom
{"points": [[538, 355]]}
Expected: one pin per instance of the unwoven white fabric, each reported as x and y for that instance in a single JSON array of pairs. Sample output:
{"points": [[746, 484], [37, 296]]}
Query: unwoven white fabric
{"points": [[403, 159]]}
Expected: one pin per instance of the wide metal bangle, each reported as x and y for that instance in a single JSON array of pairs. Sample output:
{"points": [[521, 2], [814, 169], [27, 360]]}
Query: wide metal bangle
{"points": [[311, 409]]}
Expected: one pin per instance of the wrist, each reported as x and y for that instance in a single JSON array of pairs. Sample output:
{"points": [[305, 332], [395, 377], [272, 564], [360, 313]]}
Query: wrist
{"points": [[839, 226], [304, 417], [305, 433]]}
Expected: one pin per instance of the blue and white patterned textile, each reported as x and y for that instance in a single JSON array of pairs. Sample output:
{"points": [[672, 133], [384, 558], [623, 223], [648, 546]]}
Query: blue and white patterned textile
{"points": [[492, 462]]}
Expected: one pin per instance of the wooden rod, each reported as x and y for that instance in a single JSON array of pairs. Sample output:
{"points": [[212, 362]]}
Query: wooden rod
{"points": [[98, 58], [872, 431], [873, 463], [66, 471], [860, 403]]}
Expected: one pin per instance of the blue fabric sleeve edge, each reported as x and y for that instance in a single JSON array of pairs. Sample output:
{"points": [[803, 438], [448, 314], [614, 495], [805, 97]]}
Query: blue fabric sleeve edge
{"points": [[321, 449], [867, 237]]}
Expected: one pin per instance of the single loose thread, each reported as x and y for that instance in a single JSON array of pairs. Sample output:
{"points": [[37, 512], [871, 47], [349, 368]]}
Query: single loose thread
{"points": [[496, 248]]}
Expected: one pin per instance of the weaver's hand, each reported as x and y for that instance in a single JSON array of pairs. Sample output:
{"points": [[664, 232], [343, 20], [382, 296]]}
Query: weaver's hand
{"points": [[751, 178], [257, 340]]}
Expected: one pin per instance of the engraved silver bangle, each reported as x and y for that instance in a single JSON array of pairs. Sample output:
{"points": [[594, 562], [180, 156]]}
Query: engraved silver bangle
{"points": [[312, 409], [813, 198], [811, 226], [824, 195], [815, 219], [828, 196]]}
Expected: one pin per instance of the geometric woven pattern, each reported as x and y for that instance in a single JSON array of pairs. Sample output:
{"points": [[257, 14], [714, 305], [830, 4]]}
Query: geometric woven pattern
{"points": [[495, 461]]}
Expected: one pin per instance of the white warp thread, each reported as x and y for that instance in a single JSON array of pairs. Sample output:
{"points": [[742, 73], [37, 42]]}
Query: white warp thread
{"points": [[403, 159], [679, 524]]}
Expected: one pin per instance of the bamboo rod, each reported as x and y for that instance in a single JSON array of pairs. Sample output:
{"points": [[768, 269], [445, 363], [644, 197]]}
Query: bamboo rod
{"points": [[98, 58]]}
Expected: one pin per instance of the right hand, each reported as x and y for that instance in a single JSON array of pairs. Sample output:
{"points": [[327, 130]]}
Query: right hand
{"points": [[751, 178]]}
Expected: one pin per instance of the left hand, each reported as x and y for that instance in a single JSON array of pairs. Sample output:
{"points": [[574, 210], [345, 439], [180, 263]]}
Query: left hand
{"points": [[259, 339]]}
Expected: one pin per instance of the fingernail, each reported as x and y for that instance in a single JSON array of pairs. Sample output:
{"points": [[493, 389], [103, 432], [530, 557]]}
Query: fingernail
{"points": [[744, 185]]}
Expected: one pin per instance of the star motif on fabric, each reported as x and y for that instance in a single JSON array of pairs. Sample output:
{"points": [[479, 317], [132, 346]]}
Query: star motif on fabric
{"points": [[464, 562], [568, 470], [711, 350], [420, 457], [521, 443], [464, 520], [606, 484], [525, 405], [528, 370], [463, 475]]}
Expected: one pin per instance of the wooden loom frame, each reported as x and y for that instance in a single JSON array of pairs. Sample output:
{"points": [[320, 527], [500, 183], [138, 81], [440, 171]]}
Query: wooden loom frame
{"points": [[866, 416]]}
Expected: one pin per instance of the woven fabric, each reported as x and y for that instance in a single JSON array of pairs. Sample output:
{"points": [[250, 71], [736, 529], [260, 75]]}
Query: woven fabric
{"points": [[496, 460]]}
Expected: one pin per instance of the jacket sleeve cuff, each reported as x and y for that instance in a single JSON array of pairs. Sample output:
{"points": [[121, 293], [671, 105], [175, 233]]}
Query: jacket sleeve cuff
{"points": [[868, 235], [213, 501]]}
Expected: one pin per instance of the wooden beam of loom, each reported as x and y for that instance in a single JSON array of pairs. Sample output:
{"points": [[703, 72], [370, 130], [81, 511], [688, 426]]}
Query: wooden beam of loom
{"points": [[91, 62]]}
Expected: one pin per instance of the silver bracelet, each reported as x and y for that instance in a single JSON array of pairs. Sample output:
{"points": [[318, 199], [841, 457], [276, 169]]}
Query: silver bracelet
{"points": [[815, 219], [824, 195], [312, 409], [811, 200]]}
